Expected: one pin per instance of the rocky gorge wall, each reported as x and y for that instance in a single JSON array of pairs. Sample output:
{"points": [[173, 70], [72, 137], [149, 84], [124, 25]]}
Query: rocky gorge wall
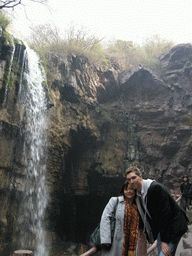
{"points": [[101, 121]]}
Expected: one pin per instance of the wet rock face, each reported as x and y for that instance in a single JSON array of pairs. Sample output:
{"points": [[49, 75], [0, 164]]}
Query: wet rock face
{"points": [[101, 122], [177, 66], [140, 118]]}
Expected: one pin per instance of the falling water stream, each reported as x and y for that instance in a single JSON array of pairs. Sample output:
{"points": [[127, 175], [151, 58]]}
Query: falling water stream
{"points": [[35, 199], [9, 71]]}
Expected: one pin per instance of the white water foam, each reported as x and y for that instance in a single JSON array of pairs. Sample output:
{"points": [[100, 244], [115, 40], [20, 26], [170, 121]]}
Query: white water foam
{"points": [[32, 97]]}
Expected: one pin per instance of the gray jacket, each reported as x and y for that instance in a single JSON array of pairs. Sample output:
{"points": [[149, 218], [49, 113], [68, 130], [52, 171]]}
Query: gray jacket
{"points": [[105, 232]]}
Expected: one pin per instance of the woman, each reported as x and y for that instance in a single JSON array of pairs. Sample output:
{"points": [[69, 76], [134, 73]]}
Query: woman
{"points": [[126, 229]]}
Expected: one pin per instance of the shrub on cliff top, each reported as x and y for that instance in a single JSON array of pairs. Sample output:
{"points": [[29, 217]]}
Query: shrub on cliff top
{"points": [[126, 54], [46, 38], [120, 54], [152, 50], [4, 20]]}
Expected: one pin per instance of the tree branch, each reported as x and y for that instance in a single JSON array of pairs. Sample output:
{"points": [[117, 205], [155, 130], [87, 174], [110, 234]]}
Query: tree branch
{"points": [[14, 3]]}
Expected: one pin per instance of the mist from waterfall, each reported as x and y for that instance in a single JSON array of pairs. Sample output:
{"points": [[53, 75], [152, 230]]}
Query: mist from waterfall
{"points": [[32, 211]]}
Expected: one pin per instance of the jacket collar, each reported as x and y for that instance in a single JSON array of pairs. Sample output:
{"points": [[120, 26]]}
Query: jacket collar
{"points": [[121, 199], [145, 186]]}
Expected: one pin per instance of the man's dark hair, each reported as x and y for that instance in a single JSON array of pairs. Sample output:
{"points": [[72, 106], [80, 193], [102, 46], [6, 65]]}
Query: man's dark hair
{"points": [[134, 169]]}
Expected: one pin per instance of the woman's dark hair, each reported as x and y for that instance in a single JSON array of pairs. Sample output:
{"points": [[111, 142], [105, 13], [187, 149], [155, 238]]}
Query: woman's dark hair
{"points": [[125, 185], [186, 176]]}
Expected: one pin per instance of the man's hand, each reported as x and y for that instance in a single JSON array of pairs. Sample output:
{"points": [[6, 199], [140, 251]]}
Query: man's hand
{"points": [[165, 249], [107, 246]]}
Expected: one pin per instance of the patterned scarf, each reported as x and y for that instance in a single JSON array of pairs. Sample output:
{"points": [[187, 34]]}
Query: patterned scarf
{"points": [[131, 228]]}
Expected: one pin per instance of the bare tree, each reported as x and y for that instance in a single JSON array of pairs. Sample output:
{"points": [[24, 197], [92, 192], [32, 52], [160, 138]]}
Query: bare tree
{"points": [[13, 3], [44, 34]]}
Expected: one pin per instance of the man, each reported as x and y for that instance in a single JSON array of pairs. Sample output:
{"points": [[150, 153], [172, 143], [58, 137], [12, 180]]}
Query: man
{"points": [[186, 188], [162, 218]]}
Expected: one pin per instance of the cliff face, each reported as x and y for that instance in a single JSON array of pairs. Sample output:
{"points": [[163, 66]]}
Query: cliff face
{"points": [[126, 117], [100, 122]]}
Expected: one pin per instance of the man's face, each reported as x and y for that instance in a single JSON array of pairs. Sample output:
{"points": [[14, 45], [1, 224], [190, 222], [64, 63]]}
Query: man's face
{"points": [[134, 180]]}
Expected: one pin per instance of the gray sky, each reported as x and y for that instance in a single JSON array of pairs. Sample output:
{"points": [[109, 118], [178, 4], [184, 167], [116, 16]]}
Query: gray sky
{"points": [[130, 20]]}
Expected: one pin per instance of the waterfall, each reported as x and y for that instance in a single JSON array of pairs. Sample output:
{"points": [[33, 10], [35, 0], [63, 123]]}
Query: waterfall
{"points": [[9, 71], [22, 67], [35, 199]]}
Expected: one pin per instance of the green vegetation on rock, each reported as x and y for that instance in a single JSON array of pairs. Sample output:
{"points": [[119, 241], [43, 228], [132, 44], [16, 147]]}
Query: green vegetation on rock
{"points": [[120, 54], [4, 20]]}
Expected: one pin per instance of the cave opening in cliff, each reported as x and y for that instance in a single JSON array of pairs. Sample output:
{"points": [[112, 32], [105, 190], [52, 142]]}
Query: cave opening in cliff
{"points": [[75, 219], [83, 198]]}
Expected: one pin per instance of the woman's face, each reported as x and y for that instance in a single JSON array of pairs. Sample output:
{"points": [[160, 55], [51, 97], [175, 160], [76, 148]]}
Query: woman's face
{"points": [[129, 192], [185, 179]]}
